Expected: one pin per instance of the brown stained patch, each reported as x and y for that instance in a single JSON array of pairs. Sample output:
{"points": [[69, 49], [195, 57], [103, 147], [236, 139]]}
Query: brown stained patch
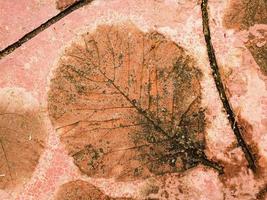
{"points": [[234, 85], [247, 131], [233, 169], [241, 14], [262, 194], [258, 49], [21, 139], [82, 190], [63, 4], [127, 104]]}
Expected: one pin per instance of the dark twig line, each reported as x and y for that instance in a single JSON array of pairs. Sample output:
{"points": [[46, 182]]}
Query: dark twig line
{"points": [[220, 87], [9, 49]]}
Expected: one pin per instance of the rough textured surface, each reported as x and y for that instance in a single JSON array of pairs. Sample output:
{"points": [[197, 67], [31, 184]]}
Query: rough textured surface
{"points": [[22, 137], [258, 47], [246, 86], [30, 67], [241, 14], [180, 186]]}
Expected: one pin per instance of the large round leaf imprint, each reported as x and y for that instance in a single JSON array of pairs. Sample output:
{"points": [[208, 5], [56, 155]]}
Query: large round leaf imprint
{"points": [[127, 104]]}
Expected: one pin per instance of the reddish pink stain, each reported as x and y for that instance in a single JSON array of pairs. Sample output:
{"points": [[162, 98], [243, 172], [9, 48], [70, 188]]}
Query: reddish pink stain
{"points": [[18, 17], [30, 65]]}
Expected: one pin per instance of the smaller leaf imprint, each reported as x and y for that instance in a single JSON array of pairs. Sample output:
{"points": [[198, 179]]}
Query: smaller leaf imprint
{"points": [[127, 104], [79, 190], [22, 137], [82, 190]]}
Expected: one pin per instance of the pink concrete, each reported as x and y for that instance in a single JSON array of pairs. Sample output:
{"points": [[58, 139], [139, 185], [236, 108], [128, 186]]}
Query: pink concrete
{"points": [[18, 17], [30, 67], [248, 86]]}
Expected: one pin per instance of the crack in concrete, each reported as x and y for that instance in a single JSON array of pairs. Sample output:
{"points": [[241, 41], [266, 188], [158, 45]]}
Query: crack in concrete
{"points": [[9, 49], [220, 87]]}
